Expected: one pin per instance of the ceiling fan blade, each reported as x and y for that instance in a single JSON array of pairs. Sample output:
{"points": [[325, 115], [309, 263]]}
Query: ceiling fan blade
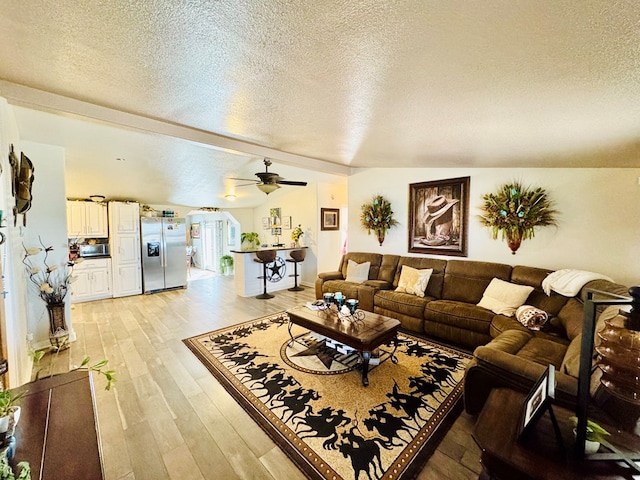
{"points": [[247, 184], [244, 179], [292, 182]]}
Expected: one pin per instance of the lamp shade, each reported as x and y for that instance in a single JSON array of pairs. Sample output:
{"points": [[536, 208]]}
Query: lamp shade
{"points": [[268, 187]]}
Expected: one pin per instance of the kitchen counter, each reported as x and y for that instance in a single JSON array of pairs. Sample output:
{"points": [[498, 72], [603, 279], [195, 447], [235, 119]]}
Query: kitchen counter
{"points": [[247, 272]]}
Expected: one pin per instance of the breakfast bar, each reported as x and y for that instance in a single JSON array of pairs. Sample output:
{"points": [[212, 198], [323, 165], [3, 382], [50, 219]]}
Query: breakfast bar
{"points": [[248, 272]]}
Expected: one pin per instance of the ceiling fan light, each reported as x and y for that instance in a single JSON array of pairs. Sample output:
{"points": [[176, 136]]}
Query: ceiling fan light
{"points": [[230, 197], [268, 187], [97, 198]]}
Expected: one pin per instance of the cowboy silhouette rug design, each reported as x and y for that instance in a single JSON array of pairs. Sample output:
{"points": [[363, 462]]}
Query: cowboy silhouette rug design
{"points": [[320, 414]]}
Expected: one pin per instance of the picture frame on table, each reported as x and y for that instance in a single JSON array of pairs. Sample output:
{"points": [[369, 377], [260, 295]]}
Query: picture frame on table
{"points": [[330, 219], [439, 217], [538, 401]]}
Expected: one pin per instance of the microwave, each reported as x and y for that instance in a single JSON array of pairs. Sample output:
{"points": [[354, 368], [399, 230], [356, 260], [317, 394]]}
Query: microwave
{"points": [[95, 250]]}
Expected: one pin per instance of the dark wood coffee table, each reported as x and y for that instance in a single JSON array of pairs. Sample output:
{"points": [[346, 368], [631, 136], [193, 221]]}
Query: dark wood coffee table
{"points": [[364, 336]]}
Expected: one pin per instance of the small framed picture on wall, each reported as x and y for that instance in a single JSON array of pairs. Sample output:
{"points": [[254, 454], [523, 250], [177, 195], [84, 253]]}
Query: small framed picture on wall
{"points": [[330, 218], [286, 223]]}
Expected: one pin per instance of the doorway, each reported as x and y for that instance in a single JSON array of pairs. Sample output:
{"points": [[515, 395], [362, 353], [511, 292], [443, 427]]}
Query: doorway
{"points": [[212, 246]]}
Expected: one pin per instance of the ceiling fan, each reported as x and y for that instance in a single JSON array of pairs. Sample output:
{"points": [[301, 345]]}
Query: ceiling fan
{"points": [[269, 181]]}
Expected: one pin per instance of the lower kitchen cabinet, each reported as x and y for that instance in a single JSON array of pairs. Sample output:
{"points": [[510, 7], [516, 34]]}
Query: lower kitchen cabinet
{"points": [[93, 280]]}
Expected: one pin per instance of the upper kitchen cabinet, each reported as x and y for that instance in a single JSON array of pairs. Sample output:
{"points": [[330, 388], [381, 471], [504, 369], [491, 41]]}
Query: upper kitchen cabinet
{"points": [[86, 219], [125, 217]]}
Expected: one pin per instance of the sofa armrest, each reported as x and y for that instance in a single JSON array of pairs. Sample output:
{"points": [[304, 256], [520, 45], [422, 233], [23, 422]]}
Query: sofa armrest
{"points": [[378, 284], [493, 368], [365, 297], [330, 276], [323, 277]]}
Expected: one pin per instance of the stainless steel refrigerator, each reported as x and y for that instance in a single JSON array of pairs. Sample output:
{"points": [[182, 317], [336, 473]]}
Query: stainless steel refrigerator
{"points": [[164, 253]]}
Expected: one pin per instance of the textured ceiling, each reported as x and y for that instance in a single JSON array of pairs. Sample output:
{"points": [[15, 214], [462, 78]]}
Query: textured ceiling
{"points": [[537, 83]]}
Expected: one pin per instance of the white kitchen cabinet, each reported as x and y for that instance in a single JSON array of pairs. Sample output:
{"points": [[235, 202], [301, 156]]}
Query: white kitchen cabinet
{"points": [[124, 227], [93, 280], [125, 217], [86, 219], [127, 280]]}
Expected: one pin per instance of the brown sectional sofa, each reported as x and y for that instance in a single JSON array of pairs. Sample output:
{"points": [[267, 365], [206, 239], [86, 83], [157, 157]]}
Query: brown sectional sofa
{"points": [[505, 352]]}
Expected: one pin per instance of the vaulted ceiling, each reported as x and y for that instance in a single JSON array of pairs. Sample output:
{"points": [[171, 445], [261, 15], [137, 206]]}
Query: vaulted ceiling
{"points": [[192, 93]]}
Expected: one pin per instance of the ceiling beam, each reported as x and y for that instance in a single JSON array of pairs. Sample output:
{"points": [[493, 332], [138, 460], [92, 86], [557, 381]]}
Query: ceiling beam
{"points": [[28, 97]]}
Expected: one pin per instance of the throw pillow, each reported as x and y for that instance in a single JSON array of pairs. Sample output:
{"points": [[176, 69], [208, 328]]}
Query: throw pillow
{"points": [[413, 281], [357, 272], [503, 297], [531, 317]]}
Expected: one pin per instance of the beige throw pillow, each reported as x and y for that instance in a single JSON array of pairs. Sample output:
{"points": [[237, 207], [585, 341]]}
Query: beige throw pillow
{"points": [[503, 297], [414, 281], [357, 272]]}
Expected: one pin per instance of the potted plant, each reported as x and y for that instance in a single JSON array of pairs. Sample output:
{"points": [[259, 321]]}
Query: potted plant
{"points": [[6, 472], [296, 233], [148, 211], [595, 435], [226, 264], [377, 216], [249, 240], [515, 211]]}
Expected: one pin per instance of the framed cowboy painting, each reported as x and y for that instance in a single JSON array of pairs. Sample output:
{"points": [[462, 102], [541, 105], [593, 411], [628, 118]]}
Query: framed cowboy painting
{"points": [[439, 217]]}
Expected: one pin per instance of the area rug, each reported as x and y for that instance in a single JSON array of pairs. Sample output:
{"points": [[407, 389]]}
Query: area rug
{"points": [[308, 396]]}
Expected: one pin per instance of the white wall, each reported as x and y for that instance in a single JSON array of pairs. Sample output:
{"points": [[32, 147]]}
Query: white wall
{"points": [[599, 224], [13, 270], [25, 312], [331, 242], [47, 220], [301, 204], [245, 217]]}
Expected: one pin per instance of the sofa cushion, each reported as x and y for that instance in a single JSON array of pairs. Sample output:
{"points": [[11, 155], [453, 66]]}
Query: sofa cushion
{"points": [[413, 281], [357, 272], [460, 314], [388, 268], [466, 280], [375, 260], [402, 303], [533, 277], [501, 324], [503, 297], [571, 317], [571, 363], [434, 287], [348, 289], [543, 352]]}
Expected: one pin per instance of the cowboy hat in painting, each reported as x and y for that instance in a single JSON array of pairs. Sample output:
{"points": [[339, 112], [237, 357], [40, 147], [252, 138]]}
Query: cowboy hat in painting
{"points": [[438, 220]]}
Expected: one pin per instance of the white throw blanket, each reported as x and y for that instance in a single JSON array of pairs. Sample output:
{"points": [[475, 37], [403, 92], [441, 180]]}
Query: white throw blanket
{"points": [[568, 282]]}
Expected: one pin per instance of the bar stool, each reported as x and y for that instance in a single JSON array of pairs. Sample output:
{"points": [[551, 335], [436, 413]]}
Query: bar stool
{"points": [[297, 256], [264, 257]]}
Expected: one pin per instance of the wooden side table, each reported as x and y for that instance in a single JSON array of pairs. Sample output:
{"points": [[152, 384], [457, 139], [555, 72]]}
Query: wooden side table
{"points": [[58, 429], [538, 455]]}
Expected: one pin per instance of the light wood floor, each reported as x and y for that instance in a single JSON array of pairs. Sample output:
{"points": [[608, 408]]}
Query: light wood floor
{"points": [[167, 417]]}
